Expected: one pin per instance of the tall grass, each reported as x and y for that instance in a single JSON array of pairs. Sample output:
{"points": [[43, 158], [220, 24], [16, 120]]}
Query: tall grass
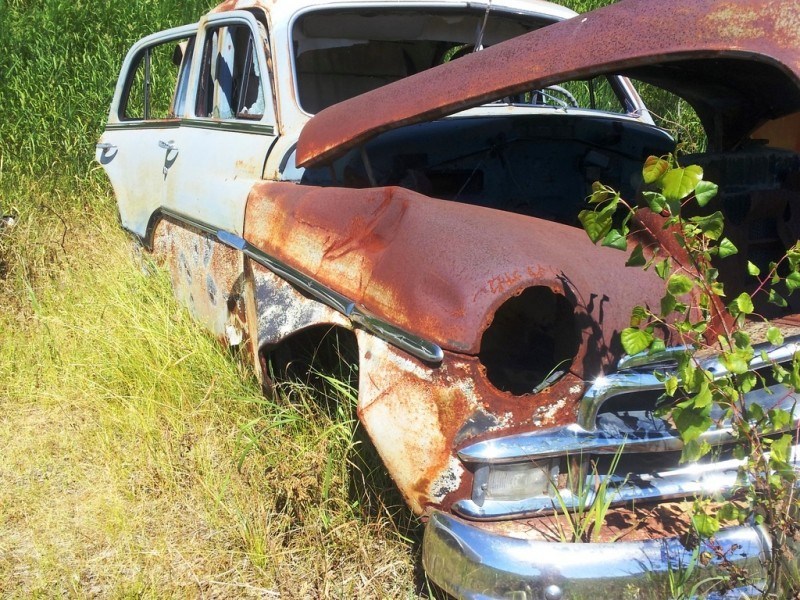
{"points": [[124, 428]]}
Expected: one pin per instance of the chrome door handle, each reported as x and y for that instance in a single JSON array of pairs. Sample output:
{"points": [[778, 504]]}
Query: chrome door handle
{"points": [[169, 146], [104, 146]]}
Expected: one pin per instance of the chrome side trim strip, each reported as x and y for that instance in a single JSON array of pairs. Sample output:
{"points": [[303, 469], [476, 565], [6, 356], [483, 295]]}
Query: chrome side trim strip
{"points": [[713, 479], [643, 380], [414, 345]]}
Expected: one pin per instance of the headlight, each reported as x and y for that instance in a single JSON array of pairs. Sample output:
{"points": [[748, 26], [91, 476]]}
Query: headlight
{"points": [[531, 341], [514, 482]]}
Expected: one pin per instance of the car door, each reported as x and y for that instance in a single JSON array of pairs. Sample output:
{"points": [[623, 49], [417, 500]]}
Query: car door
{"points": [[222, 144], [145, 113]]}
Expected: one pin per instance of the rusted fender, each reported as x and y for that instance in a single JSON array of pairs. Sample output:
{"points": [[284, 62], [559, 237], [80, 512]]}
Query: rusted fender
{"points": [[440, 269], [632, 36]]}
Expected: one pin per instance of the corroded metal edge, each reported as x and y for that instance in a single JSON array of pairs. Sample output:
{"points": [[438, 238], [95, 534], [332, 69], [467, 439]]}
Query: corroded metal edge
{"points": [[414, 345]]}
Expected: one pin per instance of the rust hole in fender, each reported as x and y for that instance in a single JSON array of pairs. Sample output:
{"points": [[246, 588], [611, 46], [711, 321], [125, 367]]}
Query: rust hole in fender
{"points": [[531, 341]]}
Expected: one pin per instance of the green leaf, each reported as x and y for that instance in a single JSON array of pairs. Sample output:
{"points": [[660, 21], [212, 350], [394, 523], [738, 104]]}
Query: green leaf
{"points": [[726, 248], [792, 282], [711, 225], [691, 421], [718, 288], [731, 512], [655, 201], [748, 381], [635, 340], [703, 397], [794, 374], [741, 339], [679, 183], [668, 304], [737, 362], [654, 169], [637, 258], [780, 419], [615, 239], [705, 192], [671, 386], [776, 299], [793, 254], [743, 304], [694, 451], [753, 269], [597, 223], [774, 336], [780, 448], [663, 268], [679, 284], [601, 193], [706, 525], [657, 345], [638, 314], [755, 413]]}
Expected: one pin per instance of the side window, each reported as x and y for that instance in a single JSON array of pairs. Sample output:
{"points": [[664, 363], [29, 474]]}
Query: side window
{"points": [[156, 85], [231, 85]]}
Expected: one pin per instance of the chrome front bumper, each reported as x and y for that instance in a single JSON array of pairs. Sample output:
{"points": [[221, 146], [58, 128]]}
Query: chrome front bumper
{"points": [[469, 562]]}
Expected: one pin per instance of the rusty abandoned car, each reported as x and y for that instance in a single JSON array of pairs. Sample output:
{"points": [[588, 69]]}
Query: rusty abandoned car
{"points": [[409, 175]]}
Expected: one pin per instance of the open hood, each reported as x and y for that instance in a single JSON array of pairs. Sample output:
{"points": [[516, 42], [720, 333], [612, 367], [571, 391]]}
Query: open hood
{"points": [[737, 62]]}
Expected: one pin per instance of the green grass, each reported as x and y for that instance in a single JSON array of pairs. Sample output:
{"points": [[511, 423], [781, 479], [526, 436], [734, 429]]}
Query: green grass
{"points": [[125, 430]]}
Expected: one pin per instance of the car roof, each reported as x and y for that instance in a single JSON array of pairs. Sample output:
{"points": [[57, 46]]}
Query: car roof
{"points": [[280, 10]]}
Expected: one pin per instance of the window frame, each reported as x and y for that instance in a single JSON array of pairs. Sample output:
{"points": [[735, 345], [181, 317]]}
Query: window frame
{"points": [[142, 52], [260, 45]]}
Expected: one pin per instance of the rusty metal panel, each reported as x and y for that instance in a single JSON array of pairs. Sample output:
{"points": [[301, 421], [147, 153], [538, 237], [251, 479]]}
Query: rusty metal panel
{"points": [[417, 416], [283, 310], [206, 276], [628, 37], [440, 269]]}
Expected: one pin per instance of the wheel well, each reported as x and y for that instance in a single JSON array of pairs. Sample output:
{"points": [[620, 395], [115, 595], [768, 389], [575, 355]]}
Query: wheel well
{"points": [[321, 357]]}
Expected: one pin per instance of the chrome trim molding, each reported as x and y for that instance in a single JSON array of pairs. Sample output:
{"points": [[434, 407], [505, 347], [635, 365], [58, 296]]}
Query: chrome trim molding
{"points": [[195, 123], [644, 380], [650, 434], [414, 345], [237, 126], [469, 562], [667, 355], [718, 479], [142, 124]]}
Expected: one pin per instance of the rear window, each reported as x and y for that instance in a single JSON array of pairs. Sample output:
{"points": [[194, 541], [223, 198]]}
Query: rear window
{"points": [[339, 54]]}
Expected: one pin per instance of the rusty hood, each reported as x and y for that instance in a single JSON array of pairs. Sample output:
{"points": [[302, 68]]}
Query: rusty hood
{"points": [[440, 269], [736, 61]]}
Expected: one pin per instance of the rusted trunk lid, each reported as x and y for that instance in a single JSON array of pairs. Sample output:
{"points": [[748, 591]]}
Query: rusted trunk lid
{"points": [[736, 61]]}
